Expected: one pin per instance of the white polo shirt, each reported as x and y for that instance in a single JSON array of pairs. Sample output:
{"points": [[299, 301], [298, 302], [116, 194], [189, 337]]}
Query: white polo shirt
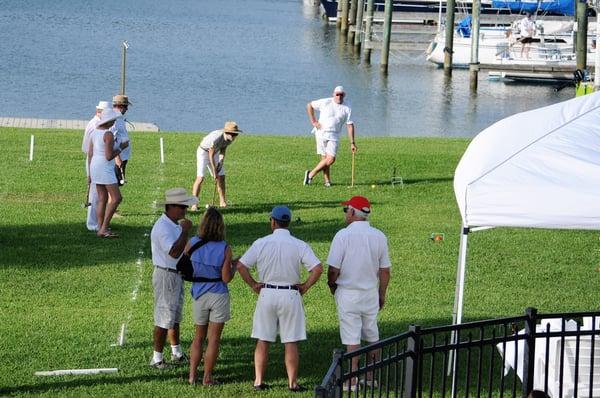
{"points": [[119, 130], [332, 117], [87, 136], [215, 139], [527, 27], [164, 234], [358, 251], [278, 258]]}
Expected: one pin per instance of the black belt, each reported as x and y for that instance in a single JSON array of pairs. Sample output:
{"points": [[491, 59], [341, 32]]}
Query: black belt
{"points": [[286, 287], [167, 269]]}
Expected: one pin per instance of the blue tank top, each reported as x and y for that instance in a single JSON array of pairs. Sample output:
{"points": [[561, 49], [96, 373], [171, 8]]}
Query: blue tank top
{"points": [[208, 262]]}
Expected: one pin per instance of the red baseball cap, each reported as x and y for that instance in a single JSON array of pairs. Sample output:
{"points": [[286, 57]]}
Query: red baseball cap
{"points": [[359, 203]]}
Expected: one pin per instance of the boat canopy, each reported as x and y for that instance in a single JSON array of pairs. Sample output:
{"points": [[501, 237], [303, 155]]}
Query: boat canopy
{"points": [[566, 7]]}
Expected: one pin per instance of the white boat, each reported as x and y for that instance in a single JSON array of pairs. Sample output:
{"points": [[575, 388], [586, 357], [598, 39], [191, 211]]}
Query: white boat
{"points": [[552, 46]]}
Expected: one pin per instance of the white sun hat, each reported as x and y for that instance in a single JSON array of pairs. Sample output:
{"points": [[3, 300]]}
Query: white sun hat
{"points": [[103, 105], [108, 115]]}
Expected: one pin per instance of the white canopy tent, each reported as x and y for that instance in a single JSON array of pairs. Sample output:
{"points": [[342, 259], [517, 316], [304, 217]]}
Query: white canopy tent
{"points": [[536, 169]]}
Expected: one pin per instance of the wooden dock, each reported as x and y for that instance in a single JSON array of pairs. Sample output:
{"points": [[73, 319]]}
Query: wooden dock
{"points": [[66, 124]]}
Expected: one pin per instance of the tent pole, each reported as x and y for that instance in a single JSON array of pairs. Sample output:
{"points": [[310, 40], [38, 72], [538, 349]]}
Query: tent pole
{"points": [[458, 300]]}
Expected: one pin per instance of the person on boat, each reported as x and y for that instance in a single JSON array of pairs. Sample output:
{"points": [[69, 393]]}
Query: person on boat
{"points": [[527, 27], [333, 114]]}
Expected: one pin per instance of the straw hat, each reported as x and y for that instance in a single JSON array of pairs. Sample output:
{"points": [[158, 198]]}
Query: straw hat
{"points": [[179, 196], [121, 100], [231, 127], [108, 115]]}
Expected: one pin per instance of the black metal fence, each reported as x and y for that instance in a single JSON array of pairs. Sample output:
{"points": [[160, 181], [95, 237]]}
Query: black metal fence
{"points": [[509, 357]]}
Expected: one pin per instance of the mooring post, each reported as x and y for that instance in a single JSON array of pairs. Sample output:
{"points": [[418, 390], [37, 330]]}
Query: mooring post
{"points": [[387, 35], [358, 27], [474, 65], [338, 16], [352, 21], [582, 27], [345, 16], [450, 4], [368, 29]]}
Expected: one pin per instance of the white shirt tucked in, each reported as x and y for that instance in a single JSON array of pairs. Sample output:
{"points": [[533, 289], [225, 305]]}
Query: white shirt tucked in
{"points": [[87, 136], [332, 117], [278, 258], [359, 250], [164, 234]]}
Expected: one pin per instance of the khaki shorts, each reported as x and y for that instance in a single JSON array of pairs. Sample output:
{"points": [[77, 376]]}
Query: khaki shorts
{"points": [[168, 298], [357, 312], [211, 307], [279, 311]]}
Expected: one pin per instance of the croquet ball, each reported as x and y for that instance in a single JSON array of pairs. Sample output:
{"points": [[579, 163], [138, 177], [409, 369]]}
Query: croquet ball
{"points": [[373, 186], [207, 206]]}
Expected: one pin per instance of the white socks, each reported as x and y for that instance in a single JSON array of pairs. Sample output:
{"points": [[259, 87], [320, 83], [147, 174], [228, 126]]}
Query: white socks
{"points": [[176, 351], [157, 357]]}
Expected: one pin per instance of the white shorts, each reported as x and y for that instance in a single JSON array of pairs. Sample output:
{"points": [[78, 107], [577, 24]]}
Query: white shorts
{"points": [[325, 146], [357, 312], [279, 310], [203, 162], [211, 307], [168, 298]]}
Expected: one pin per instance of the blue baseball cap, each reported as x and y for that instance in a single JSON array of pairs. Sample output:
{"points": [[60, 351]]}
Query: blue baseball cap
{"points": [[281, 213]]}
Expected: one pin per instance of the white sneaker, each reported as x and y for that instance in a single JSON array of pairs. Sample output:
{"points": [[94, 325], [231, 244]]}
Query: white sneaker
{"points": [[180, 360], [158, 365], [307, 179], [327, 184]]}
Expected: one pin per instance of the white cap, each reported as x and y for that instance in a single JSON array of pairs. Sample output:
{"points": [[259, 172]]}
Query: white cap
{"points": [[339, 89], [102, 105]]}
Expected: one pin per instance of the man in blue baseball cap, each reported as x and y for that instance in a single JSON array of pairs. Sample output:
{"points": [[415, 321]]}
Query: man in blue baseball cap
{"points": [[278, 258]]}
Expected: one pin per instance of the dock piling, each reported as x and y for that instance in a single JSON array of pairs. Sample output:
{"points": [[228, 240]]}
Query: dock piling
{"points": [[359, 23], [387, 34], [449, 44], [345, 11], [123, 59], [582, 27], [474, 65], [352, 21], [368, 30]]}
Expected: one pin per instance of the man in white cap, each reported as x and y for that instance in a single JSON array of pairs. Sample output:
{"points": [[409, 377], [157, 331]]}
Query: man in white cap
{"points": [[168, 239], [333, 114], [210, 156], [92, 199], [358, 277], [278, 258], [121, 104]]}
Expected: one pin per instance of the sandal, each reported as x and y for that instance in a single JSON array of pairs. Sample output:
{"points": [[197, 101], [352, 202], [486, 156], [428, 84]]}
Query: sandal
{"points": [[108, 235]]}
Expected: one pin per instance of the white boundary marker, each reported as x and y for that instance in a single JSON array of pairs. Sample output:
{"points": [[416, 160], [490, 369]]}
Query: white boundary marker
{"points": [[162, 151], [31, 148], [122, 338], [64, 372]]}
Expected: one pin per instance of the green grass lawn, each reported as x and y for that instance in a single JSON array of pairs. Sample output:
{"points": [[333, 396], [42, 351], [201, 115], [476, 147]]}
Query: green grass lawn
{"points": [[64, 293]]}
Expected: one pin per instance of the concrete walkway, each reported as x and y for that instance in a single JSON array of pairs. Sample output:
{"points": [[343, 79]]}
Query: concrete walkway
{"points": [[65, 124]]}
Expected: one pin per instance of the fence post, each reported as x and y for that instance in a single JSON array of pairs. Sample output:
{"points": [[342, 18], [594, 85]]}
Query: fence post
{"points": [[529, 353], [337, 358], [412, 361]]}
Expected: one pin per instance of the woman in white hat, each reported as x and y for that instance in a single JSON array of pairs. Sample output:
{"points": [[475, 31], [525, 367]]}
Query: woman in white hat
{"points": [[101, 155]]}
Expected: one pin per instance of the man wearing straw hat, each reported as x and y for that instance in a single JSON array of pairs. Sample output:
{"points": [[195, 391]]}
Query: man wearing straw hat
{"points": [[92, 199], [210, 156], [358, 277], [121, 104], [168, 239], [333, 114]]}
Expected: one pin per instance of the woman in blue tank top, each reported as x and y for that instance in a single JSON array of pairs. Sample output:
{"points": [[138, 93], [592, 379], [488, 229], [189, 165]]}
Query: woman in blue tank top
{"points": [[210, 309]]}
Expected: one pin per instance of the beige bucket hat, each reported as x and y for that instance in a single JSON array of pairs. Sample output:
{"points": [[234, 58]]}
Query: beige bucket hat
{"points": [[121, 100], [178, 196]]}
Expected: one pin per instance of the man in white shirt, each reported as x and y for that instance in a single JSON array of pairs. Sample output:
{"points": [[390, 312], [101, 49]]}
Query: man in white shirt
{"points": [[358, 277], [119, 129], [168, 239], [210, 156], [527, 28], [278, 258], [92, 199], [333, 114]]}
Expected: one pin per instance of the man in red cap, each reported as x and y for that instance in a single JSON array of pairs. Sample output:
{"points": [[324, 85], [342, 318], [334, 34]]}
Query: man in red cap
{"points": [[358, 277]]}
